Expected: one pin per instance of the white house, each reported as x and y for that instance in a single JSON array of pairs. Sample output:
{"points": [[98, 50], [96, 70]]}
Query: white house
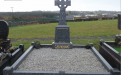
{"points": [[70, 17], [108, 15]]}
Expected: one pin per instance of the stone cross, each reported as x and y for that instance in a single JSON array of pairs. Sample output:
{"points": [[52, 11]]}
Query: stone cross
{"points": [[62, 4]]}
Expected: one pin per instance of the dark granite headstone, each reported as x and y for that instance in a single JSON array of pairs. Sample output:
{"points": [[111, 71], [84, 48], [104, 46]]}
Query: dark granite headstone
{"points": [[4, 31], [62, 34], [119, 21]]}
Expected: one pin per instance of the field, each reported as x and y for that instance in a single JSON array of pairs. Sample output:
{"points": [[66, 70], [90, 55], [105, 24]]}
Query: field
{"points": [[77, 29]]}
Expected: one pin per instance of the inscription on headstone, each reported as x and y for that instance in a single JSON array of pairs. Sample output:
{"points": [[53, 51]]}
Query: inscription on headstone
{"points": [[62, 34], [62, 46]]}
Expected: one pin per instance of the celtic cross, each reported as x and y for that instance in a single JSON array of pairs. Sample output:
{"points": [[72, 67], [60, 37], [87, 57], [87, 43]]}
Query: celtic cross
{"points": [[62, 4]]}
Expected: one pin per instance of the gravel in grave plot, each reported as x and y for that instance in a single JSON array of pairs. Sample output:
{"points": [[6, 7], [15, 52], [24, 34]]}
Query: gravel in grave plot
{"points": [[71, 60]]}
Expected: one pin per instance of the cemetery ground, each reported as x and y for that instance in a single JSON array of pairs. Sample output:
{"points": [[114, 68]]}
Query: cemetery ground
{"points": [[28, 33]]}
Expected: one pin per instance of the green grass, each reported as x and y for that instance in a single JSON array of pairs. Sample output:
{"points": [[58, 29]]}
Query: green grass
{"points": [[118, 49], [77, 29]]}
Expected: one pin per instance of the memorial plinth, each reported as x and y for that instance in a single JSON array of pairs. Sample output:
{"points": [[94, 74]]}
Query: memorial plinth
{"points": [[62, 38]]}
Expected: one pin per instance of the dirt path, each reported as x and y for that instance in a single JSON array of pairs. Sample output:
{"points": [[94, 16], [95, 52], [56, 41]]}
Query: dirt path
{"points": [[72, 38]]}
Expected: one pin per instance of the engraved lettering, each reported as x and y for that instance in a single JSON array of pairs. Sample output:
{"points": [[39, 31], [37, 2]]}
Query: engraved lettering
{"points": [[62, 46]]}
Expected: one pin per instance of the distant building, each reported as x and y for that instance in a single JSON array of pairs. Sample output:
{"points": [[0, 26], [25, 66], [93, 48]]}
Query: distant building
{"points": [[91, 15], [80, 17], [77, 16], [70, 17], [108, 15]]}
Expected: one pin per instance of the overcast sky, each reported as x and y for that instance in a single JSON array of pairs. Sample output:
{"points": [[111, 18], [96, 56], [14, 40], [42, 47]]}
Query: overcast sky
{"points": [[48, 5]]}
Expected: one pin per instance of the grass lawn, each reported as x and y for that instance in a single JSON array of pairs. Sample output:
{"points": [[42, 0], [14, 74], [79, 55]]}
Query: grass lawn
{"points": [[77, 29], [118, 49]]}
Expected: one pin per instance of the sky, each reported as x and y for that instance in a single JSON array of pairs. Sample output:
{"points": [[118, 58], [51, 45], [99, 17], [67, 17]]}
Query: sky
{"points": [[49, 5]]}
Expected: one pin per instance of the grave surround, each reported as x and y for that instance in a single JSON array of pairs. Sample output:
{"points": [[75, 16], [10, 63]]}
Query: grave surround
{"points": [[110, 54], [13, 69]]}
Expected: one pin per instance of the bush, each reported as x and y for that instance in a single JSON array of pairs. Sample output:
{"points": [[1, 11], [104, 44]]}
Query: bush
{"points": [[11, 50]]}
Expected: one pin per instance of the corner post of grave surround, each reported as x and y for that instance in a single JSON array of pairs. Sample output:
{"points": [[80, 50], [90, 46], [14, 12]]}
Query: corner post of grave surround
{"points": [[33, 44], [91, 44], [62, 33], [115, 71], [101, 42], [21, 46], [8, 71]]}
